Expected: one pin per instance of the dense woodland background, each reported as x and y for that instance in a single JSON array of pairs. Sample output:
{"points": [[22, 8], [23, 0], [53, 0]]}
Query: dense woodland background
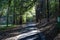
{"points": [[16, 12]]}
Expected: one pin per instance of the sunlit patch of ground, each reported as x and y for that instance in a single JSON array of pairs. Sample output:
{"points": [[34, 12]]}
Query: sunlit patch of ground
{"points": [[20, 36]]}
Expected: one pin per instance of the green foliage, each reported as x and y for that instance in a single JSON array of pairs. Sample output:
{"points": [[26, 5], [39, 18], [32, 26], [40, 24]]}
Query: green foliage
{"points": [[21, 6], [15, 8], [53, 7]]}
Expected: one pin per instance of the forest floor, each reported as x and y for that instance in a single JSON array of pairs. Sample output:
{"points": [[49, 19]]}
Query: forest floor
{"points": [[57, 37]]}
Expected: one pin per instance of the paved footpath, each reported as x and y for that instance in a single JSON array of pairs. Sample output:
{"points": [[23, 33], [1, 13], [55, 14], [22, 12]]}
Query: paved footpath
{"points": [[20, 36], [15, 31]]}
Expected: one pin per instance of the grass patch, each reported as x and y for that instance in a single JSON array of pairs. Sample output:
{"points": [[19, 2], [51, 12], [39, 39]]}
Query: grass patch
{"points": [[6, 28]]}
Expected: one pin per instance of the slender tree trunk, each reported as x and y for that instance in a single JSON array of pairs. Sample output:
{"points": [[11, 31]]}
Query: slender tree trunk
{"points": [[48, 10], [8, 11], [14, 13], [59, 7], [20, 19], [21, 14], [37, 12]]}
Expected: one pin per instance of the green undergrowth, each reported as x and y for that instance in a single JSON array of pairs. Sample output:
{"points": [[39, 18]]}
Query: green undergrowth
{"points": [[6, 27]]}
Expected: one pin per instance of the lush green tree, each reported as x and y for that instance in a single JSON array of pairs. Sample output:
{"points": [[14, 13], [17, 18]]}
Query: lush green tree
{"points": [[16, 8]]}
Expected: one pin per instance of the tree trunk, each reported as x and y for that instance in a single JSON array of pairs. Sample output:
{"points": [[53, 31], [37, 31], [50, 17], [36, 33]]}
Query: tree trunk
{"points": [[48, 10], [8, 11], [14, 13], [20, 20], [59, 7], [37, 12]]}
